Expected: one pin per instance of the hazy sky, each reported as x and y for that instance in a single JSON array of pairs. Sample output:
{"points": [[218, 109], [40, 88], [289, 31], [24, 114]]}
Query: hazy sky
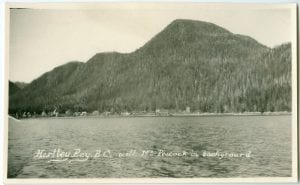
{"points": [[41, 39]]}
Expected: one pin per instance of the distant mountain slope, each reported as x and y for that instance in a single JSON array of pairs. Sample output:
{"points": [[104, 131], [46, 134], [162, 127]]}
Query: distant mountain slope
{"points": [[13, 88], [189, 63], [21, 85]]}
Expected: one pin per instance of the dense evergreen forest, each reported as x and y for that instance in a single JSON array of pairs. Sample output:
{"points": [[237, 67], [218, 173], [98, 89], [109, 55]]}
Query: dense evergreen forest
{"points": [[189, 63]]}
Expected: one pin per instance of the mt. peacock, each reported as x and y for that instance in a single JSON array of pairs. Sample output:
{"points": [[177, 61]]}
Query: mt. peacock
{"points": [[189, 63]]}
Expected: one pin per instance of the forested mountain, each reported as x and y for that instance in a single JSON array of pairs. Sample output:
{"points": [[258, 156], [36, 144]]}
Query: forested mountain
{"points": [[21, 85], [189, 63], [13, 88]]}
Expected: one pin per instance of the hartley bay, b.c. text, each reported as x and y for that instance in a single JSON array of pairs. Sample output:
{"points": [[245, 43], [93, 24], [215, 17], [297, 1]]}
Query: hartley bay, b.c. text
{"points": [[78, 155]]}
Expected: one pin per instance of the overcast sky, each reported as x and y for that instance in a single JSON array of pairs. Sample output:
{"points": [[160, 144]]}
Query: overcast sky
{"points": [[42, 39]]}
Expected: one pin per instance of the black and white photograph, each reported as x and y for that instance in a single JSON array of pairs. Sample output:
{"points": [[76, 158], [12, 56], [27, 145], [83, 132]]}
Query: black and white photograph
{"points": [[151, 92]]}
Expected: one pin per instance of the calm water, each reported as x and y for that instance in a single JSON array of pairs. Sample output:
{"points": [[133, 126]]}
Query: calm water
{"points": [[268, 138]]}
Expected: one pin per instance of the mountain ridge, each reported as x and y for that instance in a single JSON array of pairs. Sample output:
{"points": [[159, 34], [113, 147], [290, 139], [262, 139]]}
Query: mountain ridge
{"points": [[180, 66]]}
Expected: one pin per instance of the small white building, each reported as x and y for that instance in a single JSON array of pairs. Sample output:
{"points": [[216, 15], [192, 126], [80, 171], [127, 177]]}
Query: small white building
{"points": [[95, 113], [125, 113], [187, 109], [83, 114], [44, 114]]}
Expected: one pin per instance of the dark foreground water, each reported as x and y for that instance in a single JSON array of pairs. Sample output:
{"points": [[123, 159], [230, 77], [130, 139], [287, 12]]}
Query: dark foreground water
{"points": [[245, 146]]}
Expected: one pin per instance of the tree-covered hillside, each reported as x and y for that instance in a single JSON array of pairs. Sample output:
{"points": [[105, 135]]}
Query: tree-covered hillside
{"points": [[189, 63], [13, 88]]}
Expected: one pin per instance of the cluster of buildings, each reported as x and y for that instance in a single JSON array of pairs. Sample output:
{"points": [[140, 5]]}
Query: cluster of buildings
{"points": [[70, 113]]}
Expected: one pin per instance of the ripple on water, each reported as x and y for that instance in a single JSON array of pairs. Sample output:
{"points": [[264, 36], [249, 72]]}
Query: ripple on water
{"points": [[267, 137]]}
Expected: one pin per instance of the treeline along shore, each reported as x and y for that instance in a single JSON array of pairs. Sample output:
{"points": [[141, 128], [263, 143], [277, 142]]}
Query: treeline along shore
{"points": [[190, 63], [158, 113]]}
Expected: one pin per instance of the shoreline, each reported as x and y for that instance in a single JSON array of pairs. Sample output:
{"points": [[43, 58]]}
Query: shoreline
{"points": [[169, 115]]}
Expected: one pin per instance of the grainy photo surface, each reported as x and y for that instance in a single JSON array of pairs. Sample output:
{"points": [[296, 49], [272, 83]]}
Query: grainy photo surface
{"points": [[129, 90]]}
